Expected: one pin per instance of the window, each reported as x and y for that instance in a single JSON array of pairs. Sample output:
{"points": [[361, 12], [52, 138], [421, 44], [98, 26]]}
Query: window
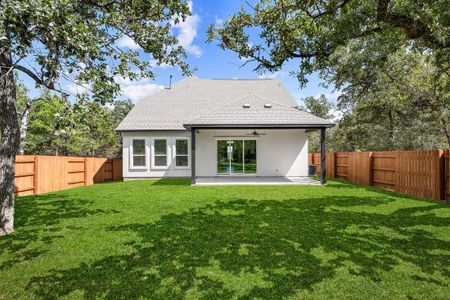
{"points": [[181, 153], [160, 153], [138, 155]]}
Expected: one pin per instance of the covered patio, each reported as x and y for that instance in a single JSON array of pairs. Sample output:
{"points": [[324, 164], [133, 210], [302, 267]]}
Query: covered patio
{"points": [[279, 141], [251, 180], [256, 180]]}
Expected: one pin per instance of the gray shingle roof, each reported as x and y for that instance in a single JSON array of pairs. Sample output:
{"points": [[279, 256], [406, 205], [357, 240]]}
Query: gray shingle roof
{"points": [[256, 110], [214, 101]]}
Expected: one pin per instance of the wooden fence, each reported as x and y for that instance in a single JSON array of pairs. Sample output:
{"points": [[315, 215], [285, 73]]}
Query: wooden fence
{"points": [[417, 173], [37, 174]]}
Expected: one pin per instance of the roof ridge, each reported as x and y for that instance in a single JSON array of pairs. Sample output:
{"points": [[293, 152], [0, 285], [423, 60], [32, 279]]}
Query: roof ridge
{"points": [[273, 101], [296, 108], [242, 79], [217, 108]]}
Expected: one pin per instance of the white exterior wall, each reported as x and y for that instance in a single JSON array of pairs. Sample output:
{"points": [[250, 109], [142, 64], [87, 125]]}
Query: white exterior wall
{"points": [[149, 171], [281, 152], [278, 153]]}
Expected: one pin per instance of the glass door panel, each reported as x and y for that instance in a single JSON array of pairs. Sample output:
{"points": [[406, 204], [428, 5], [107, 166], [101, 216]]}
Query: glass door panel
{"points": [[223, 164], [236, 157], [249, 156]]}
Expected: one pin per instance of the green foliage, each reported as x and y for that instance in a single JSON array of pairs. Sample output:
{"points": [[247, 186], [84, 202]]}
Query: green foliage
{"points": [[312, 31], [57, 127], [76, 39], [391, 59], [403, 105], [319, 107], [165, 239]]}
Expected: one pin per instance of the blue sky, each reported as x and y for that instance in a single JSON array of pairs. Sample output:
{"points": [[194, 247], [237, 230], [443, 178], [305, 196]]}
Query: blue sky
{"points": [[209, 60]]}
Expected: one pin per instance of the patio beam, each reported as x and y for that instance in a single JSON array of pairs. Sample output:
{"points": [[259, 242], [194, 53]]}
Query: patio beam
{"points": [[193, 176], [323, 157]]}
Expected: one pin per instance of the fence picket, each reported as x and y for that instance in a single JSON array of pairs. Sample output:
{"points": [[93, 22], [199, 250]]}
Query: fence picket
{"points": [[416, 173], [36, 174]]}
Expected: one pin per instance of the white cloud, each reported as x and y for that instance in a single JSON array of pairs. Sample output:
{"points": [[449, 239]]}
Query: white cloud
{"points": [[187, 31], [75, 88], [136, 90], [219, 21], [273, 75], [127, 42], [336, 113], [154, 64]]}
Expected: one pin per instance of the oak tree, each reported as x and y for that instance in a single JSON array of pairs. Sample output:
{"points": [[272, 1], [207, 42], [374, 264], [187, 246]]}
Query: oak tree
{"points": [[76, 40]]}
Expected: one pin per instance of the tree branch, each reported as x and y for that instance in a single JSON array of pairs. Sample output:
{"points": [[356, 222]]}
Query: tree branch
{"points": [[414, 28], [48, 84]]}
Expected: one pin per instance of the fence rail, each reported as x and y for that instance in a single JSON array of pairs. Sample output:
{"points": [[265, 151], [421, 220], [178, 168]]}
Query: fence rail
{"points": [[417, 173], [36, 174]]}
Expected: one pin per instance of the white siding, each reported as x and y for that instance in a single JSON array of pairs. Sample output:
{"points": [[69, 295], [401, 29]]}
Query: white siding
{"points": [[279, 152], [148, 172]]}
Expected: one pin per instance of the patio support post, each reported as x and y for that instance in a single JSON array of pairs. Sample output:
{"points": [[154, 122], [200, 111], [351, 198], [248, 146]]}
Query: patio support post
{"points": [[193, 178], [323, 157]]}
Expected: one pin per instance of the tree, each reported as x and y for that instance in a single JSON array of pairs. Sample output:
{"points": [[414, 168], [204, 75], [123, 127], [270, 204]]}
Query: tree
{"points": [[312, 31], [319, 107], [51, 123], [76, 40], [58, 127], [23, 107], [353, 44], [403, 105]]}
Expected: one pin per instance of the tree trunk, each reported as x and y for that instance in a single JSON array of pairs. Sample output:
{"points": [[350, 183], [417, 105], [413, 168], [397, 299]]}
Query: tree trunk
{"points": [[9, 140], [24, 126]]}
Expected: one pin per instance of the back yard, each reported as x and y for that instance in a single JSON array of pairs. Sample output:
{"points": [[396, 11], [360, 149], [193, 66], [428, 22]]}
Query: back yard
{"points": [[165, 239]]}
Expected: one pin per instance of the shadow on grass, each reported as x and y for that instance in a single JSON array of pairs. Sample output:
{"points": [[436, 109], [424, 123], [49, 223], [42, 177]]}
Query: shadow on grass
{"points": [[266, 249], [169, 181], [37, 212]]}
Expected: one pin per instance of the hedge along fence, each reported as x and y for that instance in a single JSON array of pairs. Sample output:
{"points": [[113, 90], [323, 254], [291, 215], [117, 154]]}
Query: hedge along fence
{"points": [[416, 173], [37, 174]]}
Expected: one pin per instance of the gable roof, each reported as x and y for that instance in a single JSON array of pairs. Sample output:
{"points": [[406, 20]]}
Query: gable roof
{"points": [[220, 101], [255, 110]]}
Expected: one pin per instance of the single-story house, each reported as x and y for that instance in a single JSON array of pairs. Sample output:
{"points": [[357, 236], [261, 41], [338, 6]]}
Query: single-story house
{"points": [[211, 128]]}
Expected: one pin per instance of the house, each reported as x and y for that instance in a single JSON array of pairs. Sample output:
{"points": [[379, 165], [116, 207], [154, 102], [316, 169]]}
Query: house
{"points": [[213, 128]]}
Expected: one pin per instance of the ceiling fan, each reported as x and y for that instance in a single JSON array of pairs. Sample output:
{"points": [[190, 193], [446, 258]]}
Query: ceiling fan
{"points": [[255, 133]]}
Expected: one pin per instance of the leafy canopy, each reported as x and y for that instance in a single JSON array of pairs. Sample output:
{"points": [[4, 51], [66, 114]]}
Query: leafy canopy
{"points": [[77, 40], [313, 30]]}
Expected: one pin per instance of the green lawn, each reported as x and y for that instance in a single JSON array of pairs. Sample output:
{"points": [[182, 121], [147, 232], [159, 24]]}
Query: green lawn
{"points": [[167, 240]]}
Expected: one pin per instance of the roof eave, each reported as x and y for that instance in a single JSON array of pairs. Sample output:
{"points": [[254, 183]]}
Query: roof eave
{"points": [[265, 126], [150, 129]]}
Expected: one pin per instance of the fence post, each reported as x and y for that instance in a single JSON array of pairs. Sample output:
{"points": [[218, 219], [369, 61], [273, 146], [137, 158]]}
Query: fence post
{"points": [[439, 175], [85, 171], [397, 171], [36, 174], [370, 171]]}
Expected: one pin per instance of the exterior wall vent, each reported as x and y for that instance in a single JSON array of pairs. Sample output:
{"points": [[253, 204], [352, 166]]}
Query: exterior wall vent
{"points": [[246, 105], [267, 105]]}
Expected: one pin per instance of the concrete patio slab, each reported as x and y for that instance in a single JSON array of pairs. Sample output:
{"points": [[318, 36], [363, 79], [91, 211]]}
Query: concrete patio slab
{"points": [[244, 180]]}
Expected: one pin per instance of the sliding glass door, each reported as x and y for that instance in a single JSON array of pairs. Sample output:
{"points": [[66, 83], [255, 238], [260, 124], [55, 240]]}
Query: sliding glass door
{"points": [[236, 157]]}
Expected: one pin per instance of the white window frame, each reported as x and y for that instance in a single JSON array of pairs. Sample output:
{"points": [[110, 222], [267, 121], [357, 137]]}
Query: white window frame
{"points": [[188, 153], [146, 154], [168, 152]]}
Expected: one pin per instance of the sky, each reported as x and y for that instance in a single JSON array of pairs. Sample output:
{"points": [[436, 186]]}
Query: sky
{"points": [[208, 59]]}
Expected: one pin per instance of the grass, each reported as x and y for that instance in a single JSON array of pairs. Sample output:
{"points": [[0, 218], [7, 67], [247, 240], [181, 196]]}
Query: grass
{"points": [[167, 240]]}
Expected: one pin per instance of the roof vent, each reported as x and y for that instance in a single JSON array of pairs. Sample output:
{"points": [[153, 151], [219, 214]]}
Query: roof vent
{"points": [[246, 105], [267, 105]]}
